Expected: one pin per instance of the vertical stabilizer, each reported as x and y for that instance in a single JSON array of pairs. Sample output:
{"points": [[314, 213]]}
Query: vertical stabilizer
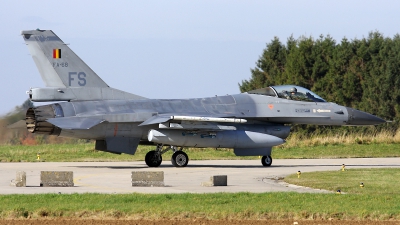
{"points": [[58, 65]]}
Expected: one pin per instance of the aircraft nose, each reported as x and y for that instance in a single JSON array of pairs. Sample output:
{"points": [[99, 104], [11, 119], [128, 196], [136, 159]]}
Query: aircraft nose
{"points": [[357, 117]]}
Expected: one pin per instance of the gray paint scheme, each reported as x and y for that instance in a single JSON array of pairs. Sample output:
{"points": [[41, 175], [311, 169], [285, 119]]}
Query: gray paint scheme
{"points": [[119, 121], [79, 94], [41, 44]]}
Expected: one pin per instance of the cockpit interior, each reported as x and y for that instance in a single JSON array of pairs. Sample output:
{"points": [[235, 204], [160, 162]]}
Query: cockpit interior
{"points": [[290, 92]]}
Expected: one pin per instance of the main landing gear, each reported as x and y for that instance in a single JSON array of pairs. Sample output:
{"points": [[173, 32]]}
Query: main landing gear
{"points": [[178, 159], [266, 160]]}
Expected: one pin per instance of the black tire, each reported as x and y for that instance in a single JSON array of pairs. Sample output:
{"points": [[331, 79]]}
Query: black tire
{"points": [[152, 160], [266, 160], [179, 159]]}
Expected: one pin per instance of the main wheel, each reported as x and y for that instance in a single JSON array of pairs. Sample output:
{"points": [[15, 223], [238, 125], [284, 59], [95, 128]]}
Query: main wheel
{"points": [[153, 159], [266, 160], [179, 159]]}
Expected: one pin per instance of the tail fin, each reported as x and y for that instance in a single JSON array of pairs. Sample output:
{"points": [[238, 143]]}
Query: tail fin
{"points": [[58, 65], [67, 77]]}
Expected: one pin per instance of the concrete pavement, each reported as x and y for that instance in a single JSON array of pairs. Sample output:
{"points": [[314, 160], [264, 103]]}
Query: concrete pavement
{"points": [[243, 175]]}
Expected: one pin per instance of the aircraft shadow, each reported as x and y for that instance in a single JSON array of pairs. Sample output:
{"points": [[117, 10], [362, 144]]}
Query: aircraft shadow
{"points": [[235, 166]]}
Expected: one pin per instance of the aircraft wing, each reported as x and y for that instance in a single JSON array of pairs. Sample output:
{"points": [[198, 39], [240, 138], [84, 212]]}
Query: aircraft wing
{"points": [[156, 119], [75, 123]]}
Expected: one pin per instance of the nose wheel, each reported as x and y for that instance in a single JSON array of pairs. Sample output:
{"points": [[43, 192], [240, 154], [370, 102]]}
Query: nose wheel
{"points": [[266, 160]]}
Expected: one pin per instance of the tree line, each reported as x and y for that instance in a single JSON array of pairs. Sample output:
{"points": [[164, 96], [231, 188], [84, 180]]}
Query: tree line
{"points": [[359, 73]]}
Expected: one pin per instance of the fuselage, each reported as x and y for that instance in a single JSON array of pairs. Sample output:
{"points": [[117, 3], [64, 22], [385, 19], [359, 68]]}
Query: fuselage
{"points": [[123, 117]]}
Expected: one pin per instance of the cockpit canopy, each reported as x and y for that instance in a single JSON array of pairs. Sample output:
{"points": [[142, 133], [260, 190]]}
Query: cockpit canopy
{"points": [[290, 92]]}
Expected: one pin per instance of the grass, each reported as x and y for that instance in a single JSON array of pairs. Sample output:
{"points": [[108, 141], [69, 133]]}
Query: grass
{"points": [[86, 152], [336, 137], [376, 181], [378, 200], [373, 150]]}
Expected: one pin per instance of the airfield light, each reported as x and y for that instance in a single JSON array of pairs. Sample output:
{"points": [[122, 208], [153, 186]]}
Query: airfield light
{"points": [[338, 192], [361, 185], [343, 166], [298, 174], [38, 156]]}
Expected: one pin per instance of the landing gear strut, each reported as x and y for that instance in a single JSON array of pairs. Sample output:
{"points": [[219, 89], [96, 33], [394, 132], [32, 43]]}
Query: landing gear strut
{"points": [[178, 159], [266, 160]]}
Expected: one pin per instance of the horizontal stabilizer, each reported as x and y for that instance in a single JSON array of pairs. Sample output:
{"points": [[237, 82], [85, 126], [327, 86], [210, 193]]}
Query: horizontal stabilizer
{"points": [[17, 125], [75, 123]]}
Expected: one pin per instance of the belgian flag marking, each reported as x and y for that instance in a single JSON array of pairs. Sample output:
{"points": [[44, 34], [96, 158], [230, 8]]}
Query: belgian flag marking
{"points": [[56, 53]]}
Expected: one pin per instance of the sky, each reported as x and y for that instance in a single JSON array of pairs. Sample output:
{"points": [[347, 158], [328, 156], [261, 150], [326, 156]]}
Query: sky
{"points": [[174, 49]]}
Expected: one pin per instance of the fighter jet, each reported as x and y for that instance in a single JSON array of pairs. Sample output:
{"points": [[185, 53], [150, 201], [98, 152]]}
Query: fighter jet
{"points": [[250, 123]]}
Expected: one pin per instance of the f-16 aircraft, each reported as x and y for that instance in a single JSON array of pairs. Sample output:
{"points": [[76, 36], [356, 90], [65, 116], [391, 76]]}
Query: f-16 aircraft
{"points": [[250, 123]]}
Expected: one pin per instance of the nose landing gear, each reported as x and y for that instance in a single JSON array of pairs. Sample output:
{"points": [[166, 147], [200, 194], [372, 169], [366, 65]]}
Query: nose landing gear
{"points": [[266, 160]]}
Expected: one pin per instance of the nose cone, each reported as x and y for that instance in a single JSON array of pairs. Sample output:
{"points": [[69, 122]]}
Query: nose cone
{"points": [[357, 117]]}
